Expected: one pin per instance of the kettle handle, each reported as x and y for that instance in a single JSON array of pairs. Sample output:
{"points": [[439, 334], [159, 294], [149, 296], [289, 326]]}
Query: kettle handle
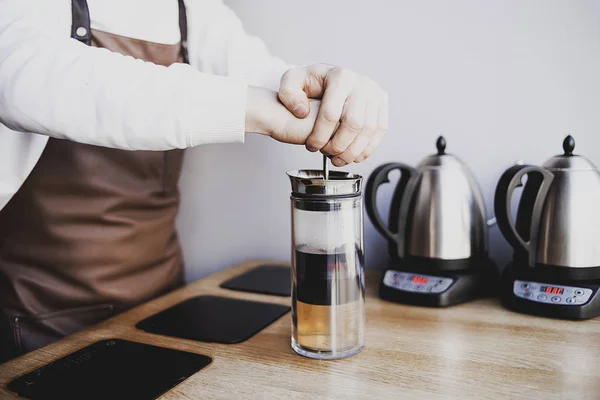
{"points": [[404, 188], [522, 236]]}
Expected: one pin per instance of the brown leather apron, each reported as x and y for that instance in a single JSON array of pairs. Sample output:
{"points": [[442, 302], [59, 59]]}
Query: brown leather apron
{"points": [[92, 230]]}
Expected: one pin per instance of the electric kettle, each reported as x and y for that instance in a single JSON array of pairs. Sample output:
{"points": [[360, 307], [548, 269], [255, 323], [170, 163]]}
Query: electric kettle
{"points": [[437, 219], [557, 229]]}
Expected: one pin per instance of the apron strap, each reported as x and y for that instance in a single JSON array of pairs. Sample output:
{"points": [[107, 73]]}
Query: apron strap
{"points": [[80, 25], [183, 30]]}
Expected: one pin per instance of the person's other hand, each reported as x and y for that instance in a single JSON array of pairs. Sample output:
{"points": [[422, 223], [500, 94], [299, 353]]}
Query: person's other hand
{"points": [[266, 115], [356, 102]]}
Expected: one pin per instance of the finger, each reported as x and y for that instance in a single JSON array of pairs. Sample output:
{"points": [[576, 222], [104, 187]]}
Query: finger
{"points": [[296, 130], [381, 131], [371, 147], [352, 122], [330, 113], [362, 140], [292, 92]]}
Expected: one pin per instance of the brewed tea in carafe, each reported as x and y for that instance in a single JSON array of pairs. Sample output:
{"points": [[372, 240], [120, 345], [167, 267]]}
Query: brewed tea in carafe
{"points": [[328, 280]]}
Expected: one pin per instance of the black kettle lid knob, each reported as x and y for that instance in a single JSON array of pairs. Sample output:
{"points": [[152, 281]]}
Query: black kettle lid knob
{"points": [[441, 146], [569, 145]]}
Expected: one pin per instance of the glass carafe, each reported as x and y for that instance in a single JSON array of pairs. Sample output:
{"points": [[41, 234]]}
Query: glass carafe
{"points": [[328, 314]]}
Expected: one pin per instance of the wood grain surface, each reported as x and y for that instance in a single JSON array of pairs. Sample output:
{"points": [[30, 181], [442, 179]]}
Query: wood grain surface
{"points": [[476, 350]]}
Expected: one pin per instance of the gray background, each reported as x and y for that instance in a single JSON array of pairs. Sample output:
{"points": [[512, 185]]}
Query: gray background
{"points": [[501, 80]]}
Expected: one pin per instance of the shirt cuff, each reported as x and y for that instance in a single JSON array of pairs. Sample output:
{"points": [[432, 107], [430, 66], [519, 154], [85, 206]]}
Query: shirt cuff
{"points": [[215, 109]]}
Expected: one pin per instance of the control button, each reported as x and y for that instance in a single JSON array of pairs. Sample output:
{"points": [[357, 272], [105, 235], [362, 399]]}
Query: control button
{"points": [[440, 281], [542, 297], [430, 289], [578, 292], [528, 294], [571, 300], [524, 285], [555, 299], [419, 287]]}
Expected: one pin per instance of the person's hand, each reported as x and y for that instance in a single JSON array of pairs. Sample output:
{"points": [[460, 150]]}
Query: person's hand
{"points": [[356, 102], [266, 115]]}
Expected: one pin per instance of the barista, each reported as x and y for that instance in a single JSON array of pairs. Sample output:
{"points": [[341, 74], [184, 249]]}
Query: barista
{"points": [[98, 100]]}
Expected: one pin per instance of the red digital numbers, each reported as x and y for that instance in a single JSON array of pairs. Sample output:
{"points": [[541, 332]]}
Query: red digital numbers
{"points": [[420, 280], [552, 290]]}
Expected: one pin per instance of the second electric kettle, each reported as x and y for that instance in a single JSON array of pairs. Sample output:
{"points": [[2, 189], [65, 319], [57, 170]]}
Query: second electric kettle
{"points": [[557, 230]]}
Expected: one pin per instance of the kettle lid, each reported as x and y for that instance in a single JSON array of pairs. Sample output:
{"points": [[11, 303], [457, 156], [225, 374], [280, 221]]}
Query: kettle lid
{"points": [[568, 160], [441, 159]]}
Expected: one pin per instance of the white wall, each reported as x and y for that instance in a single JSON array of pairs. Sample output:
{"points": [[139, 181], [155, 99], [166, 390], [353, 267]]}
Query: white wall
{"points": [[501, 80]]}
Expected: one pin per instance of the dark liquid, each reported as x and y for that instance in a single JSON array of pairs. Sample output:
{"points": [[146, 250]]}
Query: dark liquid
{"points": [[328, 306], [328, 278]]}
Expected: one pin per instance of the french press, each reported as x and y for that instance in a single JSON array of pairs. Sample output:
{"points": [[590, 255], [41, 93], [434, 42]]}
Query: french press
{"points": [[328, 315]]}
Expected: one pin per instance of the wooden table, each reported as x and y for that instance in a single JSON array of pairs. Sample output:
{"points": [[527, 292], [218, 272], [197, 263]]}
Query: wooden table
{"points": [[476, 350]]}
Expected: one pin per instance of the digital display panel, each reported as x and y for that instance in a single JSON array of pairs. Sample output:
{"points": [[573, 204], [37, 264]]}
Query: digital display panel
{"points": [[551, 290], [420, 280]]}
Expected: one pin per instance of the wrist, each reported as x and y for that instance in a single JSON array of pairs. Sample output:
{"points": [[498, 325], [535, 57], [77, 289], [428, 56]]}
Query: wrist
{"points": [[259, 108]]}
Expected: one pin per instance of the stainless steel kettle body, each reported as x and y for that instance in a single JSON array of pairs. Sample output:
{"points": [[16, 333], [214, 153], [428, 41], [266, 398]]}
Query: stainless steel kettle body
{"points": [[437, 215], [557, 229]]}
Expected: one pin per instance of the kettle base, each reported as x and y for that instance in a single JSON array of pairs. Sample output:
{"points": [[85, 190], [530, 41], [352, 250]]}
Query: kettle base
{"points": [[528, 291], [438, 289]]}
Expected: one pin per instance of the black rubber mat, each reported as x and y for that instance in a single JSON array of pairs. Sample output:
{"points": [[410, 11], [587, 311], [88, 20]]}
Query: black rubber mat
{"points": [[267, 279], [214, 319], [110, 369]]}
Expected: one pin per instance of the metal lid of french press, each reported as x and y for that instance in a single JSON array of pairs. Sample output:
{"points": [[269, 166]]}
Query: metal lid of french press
{"points": [[312, 182]]}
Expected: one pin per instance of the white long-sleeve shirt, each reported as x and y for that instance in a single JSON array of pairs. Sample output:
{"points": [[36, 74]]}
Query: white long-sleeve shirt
{"points": [[54, 86]]}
